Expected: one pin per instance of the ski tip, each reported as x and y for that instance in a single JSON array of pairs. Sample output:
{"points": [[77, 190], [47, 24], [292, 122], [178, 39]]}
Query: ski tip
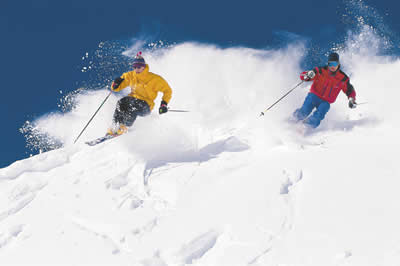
{"points": [[100, 140]]}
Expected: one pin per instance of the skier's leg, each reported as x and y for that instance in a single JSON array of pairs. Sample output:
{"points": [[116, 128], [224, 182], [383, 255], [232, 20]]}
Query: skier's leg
{"points": [[315, 119], [305, 110], [128, 108], [133, 108], [124, 113], [142, 108]]}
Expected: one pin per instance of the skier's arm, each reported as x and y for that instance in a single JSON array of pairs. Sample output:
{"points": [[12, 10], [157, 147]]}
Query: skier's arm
{"points": [[120, 83], [167, 94], [166, 90], [309, 75], [349, 90]]}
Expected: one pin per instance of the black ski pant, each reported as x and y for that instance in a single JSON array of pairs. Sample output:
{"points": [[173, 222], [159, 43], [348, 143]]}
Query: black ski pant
{"points": [[128, 108]]}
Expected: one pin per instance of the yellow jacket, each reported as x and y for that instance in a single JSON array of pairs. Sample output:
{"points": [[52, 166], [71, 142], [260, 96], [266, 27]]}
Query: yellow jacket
{"points": [[145, 86]]}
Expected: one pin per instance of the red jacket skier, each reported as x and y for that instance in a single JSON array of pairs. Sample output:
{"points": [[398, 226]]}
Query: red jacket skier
{"points": [[328, 81]]}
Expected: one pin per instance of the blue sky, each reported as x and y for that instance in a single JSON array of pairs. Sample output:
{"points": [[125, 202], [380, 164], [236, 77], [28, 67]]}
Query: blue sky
{"points": [[43, 41]]}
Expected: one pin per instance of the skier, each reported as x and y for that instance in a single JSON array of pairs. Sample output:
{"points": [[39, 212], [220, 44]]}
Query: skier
{"points": [[144, 88], [328, 81]]}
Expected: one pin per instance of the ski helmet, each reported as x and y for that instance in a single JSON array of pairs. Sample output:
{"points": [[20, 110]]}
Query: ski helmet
{"points": [[333, 57]]}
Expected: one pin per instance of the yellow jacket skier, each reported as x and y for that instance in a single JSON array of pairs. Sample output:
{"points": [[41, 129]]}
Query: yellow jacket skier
{"points": [[144, 89]]}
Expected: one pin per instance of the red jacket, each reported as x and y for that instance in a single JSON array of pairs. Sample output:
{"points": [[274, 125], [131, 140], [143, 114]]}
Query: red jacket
{"points": [[327, 84]]}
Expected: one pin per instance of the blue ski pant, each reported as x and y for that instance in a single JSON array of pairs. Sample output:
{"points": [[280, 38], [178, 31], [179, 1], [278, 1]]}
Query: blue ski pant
{"points": [[312, 101]]}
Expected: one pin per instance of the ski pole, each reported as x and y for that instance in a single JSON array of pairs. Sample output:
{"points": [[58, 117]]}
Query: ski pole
{"points": [[262, 113], [93, 117], [178, 111]]}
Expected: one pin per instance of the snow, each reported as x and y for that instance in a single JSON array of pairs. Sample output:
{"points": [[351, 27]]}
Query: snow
{"points": [[219, 185]]}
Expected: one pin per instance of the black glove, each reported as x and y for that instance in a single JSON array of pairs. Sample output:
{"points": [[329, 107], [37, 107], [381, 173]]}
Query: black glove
{"points": [[116, 83], [163, 107], [352, 103]]}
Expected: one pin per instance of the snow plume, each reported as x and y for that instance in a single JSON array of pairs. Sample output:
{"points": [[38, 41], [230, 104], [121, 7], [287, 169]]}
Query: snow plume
{"points": [[225, 89], [221, 88], [104, 64], [364, 21], [369, 55], [368, 34]]}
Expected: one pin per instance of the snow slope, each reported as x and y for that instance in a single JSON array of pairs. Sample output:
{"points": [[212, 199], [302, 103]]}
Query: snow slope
{"points": [[218, 185]]}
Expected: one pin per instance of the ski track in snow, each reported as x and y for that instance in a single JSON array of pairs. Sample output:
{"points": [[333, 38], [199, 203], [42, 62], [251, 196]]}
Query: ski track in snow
{"points": [[17, 207], [210, 151], [99, 232], [287, 223], [189, 253], [290, 182], [120, 180], [41, 163], [198, 247], [20, 196], [10, 236]]}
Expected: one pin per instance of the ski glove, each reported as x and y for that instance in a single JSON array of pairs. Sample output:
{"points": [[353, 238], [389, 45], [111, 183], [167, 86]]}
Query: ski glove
{"points": [[309, 75], [352, 103], [163, 107], [116, 83]]}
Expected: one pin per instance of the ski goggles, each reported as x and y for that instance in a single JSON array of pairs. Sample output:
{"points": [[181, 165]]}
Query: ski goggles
{"points": [[138, 65], [333, 63]]}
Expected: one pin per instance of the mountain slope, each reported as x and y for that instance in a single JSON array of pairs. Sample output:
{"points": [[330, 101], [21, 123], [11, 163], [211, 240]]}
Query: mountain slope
{"points": [[228, 203]]}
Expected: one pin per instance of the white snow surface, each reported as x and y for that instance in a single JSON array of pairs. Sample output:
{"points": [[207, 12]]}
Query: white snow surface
{"points": [[219, 185]]}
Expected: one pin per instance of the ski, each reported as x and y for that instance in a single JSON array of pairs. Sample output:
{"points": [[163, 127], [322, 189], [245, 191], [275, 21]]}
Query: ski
{"points": [[100, 140]]}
